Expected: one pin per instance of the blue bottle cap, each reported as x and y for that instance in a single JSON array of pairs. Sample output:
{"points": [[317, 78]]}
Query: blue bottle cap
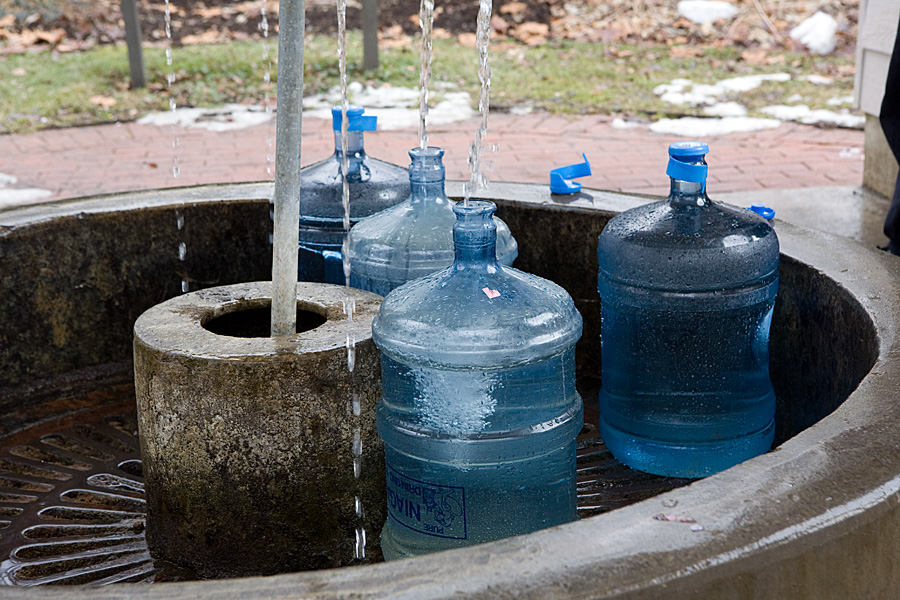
{"points": [[684, 161], [688, 149], [559, 177], [357, 122], [764, 211]]}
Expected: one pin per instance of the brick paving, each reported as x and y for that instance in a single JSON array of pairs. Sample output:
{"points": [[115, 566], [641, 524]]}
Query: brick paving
{"points": [[85, 161]]}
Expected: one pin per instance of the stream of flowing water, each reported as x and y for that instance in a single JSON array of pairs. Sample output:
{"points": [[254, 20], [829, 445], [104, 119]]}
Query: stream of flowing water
{"points": [[176, 169], [359, 547], [170, 79], [426, 23], [477, 180], [267, 80]]}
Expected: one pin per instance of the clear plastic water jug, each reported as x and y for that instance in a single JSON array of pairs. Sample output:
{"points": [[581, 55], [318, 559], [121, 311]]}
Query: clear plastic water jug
{"points": [[413, 238], [687, 288], [479, 411], [374, 186]]}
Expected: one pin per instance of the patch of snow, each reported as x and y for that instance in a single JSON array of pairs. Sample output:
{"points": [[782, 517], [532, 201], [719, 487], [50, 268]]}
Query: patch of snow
{"points": [[817, 79], [691, 98], [726, 109], [526, 108], [750, 82], [793, 99], [803, 114], [224, 118], [852, 153], [685, 91], [695, 127], [817, 33], [395, 107], [17, 196], [840, 100], [706, 11]]}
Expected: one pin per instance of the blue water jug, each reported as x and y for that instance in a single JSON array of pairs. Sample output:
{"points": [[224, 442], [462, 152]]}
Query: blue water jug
{"points": [[479, 411], [374, 186], [687, 288], [413, 238]]}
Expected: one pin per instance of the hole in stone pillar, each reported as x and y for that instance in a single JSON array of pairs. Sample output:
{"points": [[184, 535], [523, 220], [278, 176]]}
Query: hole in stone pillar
{"points": [[257, 322]]}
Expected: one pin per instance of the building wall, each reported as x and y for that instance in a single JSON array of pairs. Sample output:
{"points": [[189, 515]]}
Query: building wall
{"points": [[878, 20]]}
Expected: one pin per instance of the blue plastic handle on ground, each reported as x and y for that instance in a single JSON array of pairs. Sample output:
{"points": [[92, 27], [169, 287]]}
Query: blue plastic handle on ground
{"points": [[764, 211], [559, 178]]}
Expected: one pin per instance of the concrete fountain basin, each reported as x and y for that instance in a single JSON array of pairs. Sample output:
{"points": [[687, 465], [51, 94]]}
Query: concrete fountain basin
{"points": [[818, 517]]}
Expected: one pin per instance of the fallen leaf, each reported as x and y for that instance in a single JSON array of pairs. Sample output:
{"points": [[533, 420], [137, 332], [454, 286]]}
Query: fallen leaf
{"points": [[513, 8], [414, 19], [208, 13], [8, 20], [394, 31], [531, 33], [26, 38], [403, 42], [755, 57], [19, 72], [469, 40], [498, 24], [52, 36], [207, 37], [684, 52], [440, 33], [104, 101]]}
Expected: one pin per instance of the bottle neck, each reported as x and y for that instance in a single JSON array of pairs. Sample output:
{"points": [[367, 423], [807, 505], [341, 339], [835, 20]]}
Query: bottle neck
{"points": [[426, 179], [427, 194], [687, 193], [354, 144], [475, 235]]}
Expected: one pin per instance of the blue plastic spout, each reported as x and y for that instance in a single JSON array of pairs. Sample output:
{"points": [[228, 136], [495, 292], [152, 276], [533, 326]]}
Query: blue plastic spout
{"points": [[559, 178]]}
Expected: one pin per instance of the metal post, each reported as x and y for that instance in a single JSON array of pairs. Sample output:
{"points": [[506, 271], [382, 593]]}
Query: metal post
{"points": [[291, 25], [133, 37], [370, 34]]}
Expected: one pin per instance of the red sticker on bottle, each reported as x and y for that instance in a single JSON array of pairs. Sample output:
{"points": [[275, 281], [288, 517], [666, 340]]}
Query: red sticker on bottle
{"points": [[490, 293]]}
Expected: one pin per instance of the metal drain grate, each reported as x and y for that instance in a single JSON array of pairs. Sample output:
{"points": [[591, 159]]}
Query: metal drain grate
{"points": [[72, 508]]}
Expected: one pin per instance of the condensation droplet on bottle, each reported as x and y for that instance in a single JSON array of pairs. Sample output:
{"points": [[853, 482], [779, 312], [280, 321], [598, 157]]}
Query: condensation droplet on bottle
{"points": [[182, 251], [185, 286]]}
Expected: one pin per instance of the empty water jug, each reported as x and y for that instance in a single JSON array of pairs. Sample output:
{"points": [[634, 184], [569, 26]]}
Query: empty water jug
{"points": [[374, 186], [688, 288], [479, 411], [414, 238]]}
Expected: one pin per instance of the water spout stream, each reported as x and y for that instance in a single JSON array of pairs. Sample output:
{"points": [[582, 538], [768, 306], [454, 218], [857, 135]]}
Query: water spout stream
{"points": [[477, 180], [426, 23]]}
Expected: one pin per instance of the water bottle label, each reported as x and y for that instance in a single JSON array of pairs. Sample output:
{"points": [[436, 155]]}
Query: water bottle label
{"points": [[428, 508]]}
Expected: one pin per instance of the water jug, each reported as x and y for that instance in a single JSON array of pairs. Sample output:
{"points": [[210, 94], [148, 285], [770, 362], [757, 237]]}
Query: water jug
{"points": [[413, 238], [374, 186], [687, 288], [479, 411]]}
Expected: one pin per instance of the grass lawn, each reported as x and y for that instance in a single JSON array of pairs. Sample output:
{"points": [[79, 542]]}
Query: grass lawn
{"points": [[57, 90]]}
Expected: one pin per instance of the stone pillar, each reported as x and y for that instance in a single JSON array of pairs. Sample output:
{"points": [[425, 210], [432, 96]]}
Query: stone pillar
{"points": [[248, 442]]}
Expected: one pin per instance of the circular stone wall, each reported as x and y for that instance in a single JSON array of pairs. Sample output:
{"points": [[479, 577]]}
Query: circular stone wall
{"points": [[818, 517]]}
